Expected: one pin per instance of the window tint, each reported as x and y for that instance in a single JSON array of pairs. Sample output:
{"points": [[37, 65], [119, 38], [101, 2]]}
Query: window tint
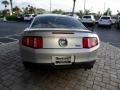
{"points": [[86, 16], [56, 22], [114, 17], [105, 17], [27, 15]]}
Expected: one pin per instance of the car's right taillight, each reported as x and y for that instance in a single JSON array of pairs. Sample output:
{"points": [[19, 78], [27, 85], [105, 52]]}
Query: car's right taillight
{"points": [[89, 42], [109, 21], [32, 41]]}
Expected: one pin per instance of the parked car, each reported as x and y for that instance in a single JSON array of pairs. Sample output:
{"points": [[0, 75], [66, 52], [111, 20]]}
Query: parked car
{"points": [[20, 17], [28, 17], [105, 21], [58, 41], [118, 22], [88, 19], [114, 19]]}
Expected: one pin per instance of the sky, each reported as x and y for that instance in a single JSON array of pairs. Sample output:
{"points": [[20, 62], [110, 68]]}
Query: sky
{"points": [[66, 5]]}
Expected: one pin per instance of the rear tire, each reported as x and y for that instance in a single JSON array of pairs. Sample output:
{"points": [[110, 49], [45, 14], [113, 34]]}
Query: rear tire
{"points": [[29, 66], [89, 65]]}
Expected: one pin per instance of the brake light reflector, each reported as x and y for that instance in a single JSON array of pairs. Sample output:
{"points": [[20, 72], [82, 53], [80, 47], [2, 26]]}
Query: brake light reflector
{"points": [[89, 42], [32, 41]]}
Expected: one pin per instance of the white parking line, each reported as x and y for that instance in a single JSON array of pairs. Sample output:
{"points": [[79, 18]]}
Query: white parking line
{"points": [[14, 35], [1, 43], [11, 35], [12, 38]]}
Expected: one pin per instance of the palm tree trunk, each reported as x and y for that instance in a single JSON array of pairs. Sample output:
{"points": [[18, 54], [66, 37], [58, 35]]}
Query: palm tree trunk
{"points": [[73, 7]]}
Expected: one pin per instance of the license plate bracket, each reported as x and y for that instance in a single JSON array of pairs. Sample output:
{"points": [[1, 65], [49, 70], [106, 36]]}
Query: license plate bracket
{"points": [[62, 60]]}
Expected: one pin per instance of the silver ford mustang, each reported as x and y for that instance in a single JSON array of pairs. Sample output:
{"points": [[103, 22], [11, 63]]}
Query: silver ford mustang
{"points": [[57, 41]]}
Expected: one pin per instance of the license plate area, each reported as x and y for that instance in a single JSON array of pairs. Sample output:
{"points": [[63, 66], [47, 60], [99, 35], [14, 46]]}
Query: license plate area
{"points": [[62, 60]]}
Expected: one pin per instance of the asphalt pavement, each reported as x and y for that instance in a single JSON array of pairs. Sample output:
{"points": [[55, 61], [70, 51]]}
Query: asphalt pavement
{"points": [[11, 30]]}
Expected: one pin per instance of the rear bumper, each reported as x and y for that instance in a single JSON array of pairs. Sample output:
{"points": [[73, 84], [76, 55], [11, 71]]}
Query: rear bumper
{"points": [[88, 22], [104, 24], [80, 56]]}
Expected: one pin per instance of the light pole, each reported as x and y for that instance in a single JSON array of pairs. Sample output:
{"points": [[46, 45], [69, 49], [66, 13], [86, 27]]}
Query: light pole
{"points": [[11, 4], [104, 7], [84, 5], [50, 6], [73, 7]]}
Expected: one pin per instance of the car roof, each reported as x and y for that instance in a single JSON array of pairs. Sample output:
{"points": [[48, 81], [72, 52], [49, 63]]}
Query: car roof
{"points": [[87, 15]]}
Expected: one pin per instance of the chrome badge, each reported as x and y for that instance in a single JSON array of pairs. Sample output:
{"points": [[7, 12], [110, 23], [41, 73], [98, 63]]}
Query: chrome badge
{"points": [[63, 42]]}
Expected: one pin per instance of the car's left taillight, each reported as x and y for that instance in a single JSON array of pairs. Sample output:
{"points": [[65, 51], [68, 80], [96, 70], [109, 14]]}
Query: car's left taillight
{"points": [[32, 41], [89, 42]]}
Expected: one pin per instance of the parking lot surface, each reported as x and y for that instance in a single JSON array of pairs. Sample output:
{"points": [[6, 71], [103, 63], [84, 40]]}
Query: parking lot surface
{"points": [[104, 76]]}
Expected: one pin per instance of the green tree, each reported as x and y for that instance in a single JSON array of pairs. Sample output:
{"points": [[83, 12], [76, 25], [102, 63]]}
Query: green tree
{"points": [[26, 11], [108, 12], [58, 11], [5, 3], [87, 12], [32, 10], [80, 13], [39, 11], [17, 10]]}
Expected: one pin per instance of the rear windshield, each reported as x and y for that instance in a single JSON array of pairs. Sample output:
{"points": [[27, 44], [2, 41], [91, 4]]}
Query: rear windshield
{"points": [[105, 17], [86, 16], [27, 15], [56, 22], [114, 17]]}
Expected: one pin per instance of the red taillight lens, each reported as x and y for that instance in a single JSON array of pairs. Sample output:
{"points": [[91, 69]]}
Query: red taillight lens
{"points": [[32, 41], [39, 42], [24, 40], [89, 42]]}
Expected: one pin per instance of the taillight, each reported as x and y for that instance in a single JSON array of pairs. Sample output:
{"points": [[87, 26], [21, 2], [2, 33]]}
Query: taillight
{"points": [[32, 41], [89, 42]]}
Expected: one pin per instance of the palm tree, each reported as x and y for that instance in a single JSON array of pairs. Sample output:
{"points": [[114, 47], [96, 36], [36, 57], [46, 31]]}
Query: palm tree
{"points": [[5, 2], [17, 10], [11, 4], [73, 7]]}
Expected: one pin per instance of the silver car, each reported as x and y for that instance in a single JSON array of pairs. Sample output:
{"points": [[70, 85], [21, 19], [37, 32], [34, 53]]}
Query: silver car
{"points": [[57, 41]]}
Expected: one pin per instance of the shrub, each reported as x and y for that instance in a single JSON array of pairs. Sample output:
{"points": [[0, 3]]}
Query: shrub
{"points": [[11, 18]]}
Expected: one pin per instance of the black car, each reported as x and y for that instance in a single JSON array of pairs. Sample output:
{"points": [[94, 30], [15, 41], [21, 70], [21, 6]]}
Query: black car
{"points": [[20, 17]]}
